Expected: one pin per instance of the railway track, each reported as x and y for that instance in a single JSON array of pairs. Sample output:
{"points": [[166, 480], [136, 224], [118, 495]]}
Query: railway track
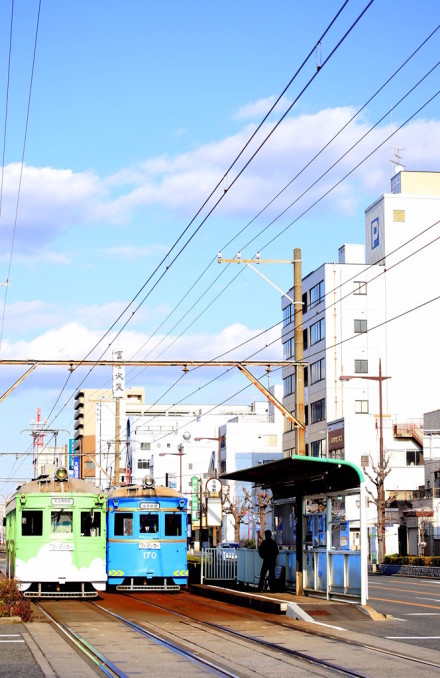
{"points": [[397, 660], [327, 634], [110, 667], [160, 634]]}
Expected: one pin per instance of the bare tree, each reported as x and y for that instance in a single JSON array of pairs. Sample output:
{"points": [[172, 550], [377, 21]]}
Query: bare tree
{"points": [[238, 508], [377, 477], [260, 503]]}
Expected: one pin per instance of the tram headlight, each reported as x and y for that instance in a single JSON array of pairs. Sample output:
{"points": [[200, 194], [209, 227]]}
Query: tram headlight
{"points": [[181, 503], [61, 473], [148, 483]]}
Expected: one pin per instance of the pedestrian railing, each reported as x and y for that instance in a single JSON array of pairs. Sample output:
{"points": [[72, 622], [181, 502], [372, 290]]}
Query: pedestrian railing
{"points": [[217, 564]]}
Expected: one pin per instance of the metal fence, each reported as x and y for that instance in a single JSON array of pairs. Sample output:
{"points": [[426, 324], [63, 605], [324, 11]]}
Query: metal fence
{"points": [[216, 564]]}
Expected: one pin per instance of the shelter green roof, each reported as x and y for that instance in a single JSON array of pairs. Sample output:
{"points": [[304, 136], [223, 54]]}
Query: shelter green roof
{"points": [[300, 475]]}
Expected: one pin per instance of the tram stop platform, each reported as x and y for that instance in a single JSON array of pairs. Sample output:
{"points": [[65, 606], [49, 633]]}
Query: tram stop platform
{"points": [[302, 608]]}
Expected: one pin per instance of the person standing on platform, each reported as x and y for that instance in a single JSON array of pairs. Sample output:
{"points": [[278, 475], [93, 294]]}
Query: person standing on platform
{"points": [[268, 551]]}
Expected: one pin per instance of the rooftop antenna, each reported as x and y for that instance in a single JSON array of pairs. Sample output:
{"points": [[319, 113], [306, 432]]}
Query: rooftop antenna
{"points": [[396, 158], [396, 163]]}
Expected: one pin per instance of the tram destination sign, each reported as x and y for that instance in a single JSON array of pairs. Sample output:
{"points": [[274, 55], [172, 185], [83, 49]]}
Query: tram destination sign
{"points": [[61, 501], [149, 505]]}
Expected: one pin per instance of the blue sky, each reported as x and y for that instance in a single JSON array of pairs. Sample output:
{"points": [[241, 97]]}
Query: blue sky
{"points": [[137, 110]]}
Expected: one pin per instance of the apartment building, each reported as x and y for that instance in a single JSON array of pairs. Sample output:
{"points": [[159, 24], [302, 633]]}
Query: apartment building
{"points": [[95, 431], [378, 302]]}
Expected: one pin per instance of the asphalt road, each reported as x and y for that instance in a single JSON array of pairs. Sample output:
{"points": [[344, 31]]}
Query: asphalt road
{"points": [[414, 604]]}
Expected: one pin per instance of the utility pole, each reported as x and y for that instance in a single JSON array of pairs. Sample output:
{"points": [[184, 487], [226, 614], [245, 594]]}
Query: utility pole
{"points": [[382, 471], [300, 438]]}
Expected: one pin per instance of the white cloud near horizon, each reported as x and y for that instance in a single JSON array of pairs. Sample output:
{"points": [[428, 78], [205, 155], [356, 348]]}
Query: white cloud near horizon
{"points": [[73, 340]]}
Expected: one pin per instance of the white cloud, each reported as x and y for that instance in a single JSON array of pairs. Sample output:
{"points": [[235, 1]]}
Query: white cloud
{"points": [[256, 110], [74, 340], [50, 201], [54, 200]]}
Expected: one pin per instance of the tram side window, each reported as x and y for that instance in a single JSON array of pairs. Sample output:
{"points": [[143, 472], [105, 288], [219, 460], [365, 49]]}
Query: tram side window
{"points": [[123, 524], [173, 525], [90, 524], [149, 522], [61, 521], [32, 523]]}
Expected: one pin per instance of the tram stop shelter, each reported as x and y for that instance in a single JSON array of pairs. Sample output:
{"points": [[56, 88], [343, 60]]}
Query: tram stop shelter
{"points": [[323, 560]]}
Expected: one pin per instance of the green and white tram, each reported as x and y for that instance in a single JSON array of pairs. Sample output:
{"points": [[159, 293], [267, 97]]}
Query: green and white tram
{"points": [[56, 537]]}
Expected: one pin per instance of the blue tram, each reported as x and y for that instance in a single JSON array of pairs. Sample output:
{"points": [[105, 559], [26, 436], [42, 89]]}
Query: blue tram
{"points": [[146, 538]]}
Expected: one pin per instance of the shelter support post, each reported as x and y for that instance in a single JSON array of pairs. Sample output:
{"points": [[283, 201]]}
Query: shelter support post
{"points": [[328, 542], [364, 543], [299, 520]]}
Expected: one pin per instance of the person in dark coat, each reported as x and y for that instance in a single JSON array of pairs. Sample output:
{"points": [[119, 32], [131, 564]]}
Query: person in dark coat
{"points": [[268, 551]]}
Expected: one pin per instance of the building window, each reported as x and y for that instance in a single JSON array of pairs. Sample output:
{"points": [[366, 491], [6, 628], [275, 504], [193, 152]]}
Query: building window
{"points": [[317, 332], [287, 315], [270, 440], [359, 287], [317, 371], [305, 344], [89, 465], [318, 448], [361, 366], [414, 458], [304, 302], [288, 385], [398, 215], [317, 411], [288, 349], [143, 463], [145, 446], [337, 454], [361, 406], [360, 326], [317, 294]]}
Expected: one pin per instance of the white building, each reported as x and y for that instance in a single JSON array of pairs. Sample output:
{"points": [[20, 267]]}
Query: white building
{"points": [[178, 443], [379, 301]]}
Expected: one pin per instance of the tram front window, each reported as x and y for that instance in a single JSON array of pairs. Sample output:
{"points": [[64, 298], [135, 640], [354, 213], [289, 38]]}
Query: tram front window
{"points": [[32, 523], [123, 524], [173, 525], [61, 521], [90, 524], [148, 523]]}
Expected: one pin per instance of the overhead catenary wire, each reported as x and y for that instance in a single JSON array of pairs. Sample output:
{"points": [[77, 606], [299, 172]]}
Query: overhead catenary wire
{"points": [[414, 52], [20, 176], [346, 175], [165, 259], [169, 264]]}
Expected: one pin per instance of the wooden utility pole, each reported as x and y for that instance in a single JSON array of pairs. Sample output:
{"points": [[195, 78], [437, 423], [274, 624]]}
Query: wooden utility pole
{"points": [[300, 438]]}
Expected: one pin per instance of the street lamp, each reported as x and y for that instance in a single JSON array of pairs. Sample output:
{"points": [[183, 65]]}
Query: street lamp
{"points": [[186, 436], [381, 486]]}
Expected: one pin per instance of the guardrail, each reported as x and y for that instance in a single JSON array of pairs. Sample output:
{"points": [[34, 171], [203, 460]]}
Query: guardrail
{"points": [[218, 564]]}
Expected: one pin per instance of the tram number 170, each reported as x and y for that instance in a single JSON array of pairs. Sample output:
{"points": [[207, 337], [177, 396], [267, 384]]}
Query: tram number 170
{"points": [[150, 554]]}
